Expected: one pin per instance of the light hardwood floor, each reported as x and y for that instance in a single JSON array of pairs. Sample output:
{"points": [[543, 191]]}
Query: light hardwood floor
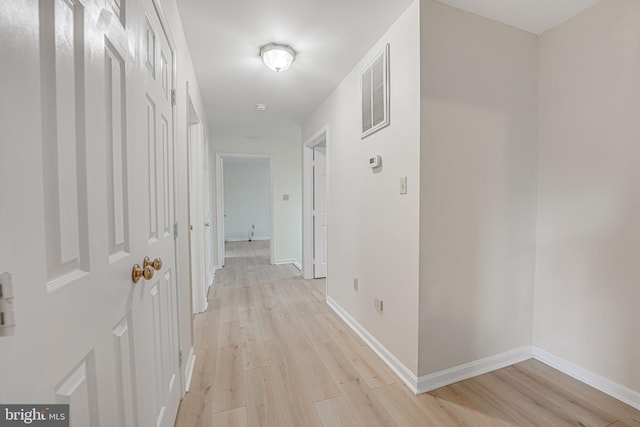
{"points": [[270, 352]]}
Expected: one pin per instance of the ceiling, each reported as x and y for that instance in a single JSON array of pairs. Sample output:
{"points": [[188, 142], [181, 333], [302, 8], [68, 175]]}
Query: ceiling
{"points": [[330, 36]]}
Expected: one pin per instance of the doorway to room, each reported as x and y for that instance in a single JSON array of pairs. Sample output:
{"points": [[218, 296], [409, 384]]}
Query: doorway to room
{"points": [[245, 208]]}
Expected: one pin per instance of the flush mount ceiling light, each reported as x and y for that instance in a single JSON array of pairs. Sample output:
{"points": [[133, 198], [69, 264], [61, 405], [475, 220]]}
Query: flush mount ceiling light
{"points": [[278, 57]]}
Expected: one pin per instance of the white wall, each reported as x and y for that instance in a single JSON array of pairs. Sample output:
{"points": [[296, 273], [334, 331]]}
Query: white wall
{"points": [[184, 75], [372, 229], [587, 289], [247, 198], [478, 187], [287, 179]]}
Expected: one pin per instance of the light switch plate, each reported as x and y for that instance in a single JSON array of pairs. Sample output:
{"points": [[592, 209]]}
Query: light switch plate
{"points": [[403, 185]]}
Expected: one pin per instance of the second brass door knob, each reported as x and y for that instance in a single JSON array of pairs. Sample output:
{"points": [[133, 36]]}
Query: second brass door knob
{"points": [[156, 264], [138, 272]]}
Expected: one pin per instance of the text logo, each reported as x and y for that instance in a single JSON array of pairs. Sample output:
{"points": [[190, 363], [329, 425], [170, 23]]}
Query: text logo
{"points": [[34, 415]]}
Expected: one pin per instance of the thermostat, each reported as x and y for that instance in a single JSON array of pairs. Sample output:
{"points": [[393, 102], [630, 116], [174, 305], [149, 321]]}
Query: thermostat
{"points": [[375, 161]]}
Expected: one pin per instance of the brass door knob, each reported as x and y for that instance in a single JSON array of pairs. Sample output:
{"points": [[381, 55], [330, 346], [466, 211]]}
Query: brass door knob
{"points": [[148, 273], [138, 272], [156, 264]]}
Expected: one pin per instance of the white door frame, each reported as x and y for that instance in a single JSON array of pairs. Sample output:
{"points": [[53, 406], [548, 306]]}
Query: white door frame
{"points": [[220, 201], [194, 194], [307, 198]]}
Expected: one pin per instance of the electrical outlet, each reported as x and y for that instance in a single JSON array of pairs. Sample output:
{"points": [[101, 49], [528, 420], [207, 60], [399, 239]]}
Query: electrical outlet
{"points": [[355, 284], [377, 302]]}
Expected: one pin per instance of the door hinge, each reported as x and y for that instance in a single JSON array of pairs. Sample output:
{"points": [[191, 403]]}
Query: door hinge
{"points": [[175, 230], [180, 357], [173, 97]]}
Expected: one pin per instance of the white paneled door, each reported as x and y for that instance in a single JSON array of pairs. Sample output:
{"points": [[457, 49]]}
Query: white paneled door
{"points": [[86, 166]]}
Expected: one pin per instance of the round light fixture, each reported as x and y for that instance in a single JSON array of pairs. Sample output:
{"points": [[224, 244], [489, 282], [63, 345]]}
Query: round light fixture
{"points": [[278, 57]]}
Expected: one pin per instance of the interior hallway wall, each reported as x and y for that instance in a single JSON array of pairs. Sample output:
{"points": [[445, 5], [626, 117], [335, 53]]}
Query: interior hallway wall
{"points": [[478, 186], [587, 291], [372, 228]]}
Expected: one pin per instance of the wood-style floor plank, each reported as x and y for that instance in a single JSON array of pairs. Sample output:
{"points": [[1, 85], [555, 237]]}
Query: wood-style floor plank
{"points": [[263, 407], [360, 398], [228, 387], [288, 382], [335, 413], [270, 352], [317, 383], [232, 418]]}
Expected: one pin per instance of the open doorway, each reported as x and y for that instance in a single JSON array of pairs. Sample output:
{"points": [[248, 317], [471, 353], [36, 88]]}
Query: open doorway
{"points": [[315, 206], [245, 209]]}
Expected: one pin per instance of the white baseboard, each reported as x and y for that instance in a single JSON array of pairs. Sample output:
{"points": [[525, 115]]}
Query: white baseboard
{"points": [[297, 265], [244, 239], [285, 261], [438, 379], [213, 277], [472, 369], [613, 389], [188, 369], [387, 357], [481, 366]]}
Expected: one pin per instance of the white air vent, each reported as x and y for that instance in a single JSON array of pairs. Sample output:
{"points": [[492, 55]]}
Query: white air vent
{"points": [[375, 93]]}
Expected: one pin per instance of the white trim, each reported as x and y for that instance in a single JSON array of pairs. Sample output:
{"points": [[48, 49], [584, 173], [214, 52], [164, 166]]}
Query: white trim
{"points": [[297, 265], [437, 379], [387, 357], [245, 239], [307, 197], [613, 389], [220, 156], [213, 278], [219, 209], [285, 261], [473, 369], [481, 366], [188, 369]]}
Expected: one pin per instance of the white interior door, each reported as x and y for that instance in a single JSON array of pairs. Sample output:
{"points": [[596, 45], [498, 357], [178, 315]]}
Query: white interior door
{"points": [[319, 212], [86, 165], [196, 219], [158, 317]]}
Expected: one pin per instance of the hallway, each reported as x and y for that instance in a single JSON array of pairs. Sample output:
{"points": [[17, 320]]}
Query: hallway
{"points": [[269, 351]]}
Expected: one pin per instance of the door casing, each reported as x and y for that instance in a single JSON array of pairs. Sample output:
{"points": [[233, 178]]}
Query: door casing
{"points": [[220, 202], [319, 137]]}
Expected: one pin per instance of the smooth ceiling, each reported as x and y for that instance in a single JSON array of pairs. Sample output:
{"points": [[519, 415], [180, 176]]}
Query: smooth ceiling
{"points": [[224, 39], [330, 37]]}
